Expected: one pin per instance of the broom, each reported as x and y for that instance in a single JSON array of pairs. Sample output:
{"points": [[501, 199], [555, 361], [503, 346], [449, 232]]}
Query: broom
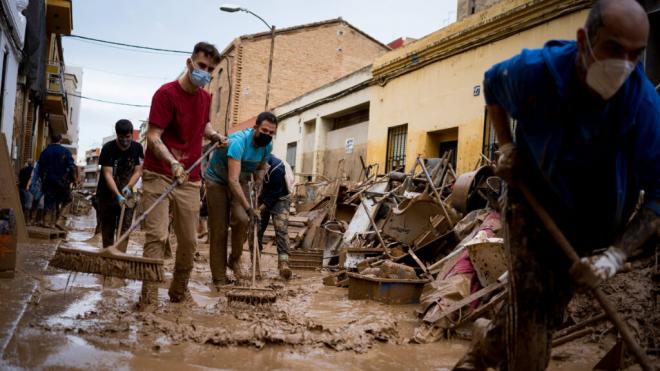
{"points": [[110, 261], [252, 295]]}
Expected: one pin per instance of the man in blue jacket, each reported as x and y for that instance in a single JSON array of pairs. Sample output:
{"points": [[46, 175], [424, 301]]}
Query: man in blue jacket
{"points": [[57, 171], [587, 141]]}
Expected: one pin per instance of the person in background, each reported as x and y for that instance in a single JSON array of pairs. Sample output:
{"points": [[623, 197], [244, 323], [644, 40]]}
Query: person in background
{"points": [[24, 176], [121, 167], [275, 200], [57, 171]]}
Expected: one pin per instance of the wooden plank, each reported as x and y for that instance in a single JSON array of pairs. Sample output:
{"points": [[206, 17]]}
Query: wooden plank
{"points": [[463, 302], [9, 197]]}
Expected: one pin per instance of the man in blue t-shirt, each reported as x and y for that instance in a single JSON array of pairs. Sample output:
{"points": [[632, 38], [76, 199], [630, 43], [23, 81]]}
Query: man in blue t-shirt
{"points": [[275, 202], [587, 141], [226, 178]]}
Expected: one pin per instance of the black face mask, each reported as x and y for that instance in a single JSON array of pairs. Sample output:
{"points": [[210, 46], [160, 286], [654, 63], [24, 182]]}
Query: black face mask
{"points": [[124, 143], [262, 140]]}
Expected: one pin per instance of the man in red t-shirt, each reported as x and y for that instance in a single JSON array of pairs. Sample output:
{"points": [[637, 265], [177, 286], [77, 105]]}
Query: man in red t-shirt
{"points": [[178, 121]]}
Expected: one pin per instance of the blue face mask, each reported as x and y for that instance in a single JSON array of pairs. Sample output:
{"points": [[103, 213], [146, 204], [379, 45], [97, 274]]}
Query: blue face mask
{"points": [[199, 77]]}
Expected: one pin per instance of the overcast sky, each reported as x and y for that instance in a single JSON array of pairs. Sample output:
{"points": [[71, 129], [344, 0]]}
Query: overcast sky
{"points": [[121, 75]]}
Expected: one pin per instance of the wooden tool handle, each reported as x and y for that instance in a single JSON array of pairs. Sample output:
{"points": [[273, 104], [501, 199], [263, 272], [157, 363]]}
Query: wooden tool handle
{"points": [[609, 309], [160, 199]]}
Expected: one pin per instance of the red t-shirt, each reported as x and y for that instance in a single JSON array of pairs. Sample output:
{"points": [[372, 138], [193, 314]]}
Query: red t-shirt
{"points": [[183, 117]]}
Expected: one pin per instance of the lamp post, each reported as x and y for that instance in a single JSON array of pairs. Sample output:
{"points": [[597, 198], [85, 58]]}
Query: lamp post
{"points": [[230, 8]]}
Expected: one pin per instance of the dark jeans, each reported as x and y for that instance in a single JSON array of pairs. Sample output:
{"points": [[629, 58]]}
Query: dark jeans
{"points": [[56, 195], [280, 215], [540, 287], [109, 212]]}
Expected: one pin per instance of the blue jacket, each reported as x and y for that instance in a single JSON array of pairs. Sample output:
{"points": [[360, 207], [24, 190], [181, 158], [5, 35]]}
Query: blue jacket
{"points": [[56, 165], [587, 161]]}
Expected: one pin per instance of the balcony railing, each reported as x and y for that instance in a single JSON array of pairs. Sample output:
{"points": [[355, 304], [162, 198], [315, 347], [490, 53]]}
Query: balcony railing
{"points": [[55, 83]]}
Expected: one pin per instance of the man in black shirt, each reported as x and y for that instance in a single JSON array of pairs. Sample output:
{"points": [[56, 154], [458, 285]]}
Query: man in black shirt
{"points": [[276, 200], [121, 167]]}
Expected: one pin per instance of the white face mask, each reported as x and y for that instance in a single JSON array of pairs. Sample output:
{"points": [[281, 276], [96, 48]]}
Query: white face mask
{"points": [[608, 75]]}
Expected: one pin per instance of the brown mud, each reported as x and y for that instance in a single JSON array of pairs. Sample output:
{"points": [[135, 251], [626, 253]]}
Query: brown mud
{"points": [[93, 323]]}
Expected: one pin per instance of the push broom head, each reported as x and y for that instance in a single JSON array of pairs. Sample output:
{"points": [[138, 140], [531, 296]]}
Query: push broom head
{"points": [[108, 264], [251, 296]]}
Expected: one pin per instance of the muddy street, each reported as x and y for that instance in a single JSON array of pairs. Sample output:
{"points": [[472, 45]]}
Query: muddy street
{"points": [[82, 321]]}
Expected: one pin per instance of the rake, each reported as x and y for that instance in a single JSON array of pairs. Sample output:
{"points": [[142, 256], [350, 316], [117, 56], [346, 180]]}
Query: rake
{"points": [[252, 295]]}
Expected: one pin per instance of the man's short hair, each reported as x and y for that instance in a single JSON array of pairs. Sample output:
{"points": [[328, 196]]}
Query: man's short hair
{"points": [[208, 49], [56, 138], [266, 116], [123, 127]]}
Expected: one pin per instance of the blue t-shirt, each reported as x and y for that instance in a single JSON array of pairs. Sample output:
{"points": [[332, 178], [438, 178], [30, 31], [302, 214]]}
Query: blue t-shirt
{"points": [[586, 161], [240, 148]]}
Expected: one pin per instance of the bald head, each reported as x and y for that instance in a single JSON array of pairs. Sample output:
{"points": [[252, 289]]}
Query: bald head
{"points": [[623, 22], [615, 29]]}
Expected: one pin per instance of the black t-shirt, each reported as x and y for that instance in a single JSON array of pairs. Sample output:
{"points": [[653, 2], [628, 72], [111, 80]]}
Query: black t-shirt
{"points": [[122, 162]]}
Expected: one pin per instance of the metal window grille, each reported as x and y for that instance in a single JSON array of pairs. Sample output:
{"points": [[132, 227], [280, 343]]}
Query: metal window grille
{"points": [[291, 154], [396, 147]]}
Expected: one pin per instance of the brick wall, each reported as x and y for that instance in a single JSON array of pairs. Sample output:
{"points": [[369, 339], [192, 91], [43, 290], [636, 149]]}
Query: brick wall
{"points": [[304, 59]]}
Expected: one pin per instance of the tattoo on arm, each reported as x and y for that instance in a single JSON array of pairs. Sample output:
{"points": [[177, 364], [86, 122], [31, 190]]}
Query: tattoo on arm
{"points": [[155, 144]]}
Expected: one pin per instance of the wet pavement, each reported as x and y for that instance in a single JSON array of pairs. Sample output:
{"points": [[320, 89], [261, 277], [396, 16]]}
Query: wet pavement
{"points": [[82, 321]]}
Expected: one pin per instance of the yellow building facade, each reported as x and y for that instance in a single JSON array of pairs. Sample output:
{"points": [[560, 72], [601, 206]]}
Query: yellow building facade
{"points": [[428, 95]]}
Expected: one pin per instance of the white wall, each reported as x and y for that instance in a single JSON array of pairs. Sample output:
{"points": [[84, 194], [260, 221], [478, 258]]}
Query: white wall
{"points": [[73, 89], [11, 40]]}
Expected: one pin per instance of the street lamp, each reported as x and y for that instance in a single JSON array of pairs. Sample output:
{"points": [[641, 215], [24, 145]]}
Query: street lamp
{"points": [[231, 8]]}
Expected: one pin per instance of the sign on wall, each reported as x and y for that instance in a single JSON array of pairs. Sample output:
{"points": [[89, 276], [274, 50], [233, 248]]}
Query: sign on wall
{"points": [[349, 145]]}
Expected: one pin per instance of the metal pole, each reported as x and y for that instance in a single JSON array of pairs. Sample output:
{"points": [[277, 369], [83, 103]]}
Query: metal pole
{"points": [[270, 65]]}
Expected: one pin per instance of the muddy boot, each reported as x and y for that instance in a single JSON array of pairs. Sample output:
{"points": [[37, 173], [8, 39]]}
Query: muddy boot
{"points": [[179, 287], [235, 265], [48, 218], [283, 266], [219, 284], [149, 295]]}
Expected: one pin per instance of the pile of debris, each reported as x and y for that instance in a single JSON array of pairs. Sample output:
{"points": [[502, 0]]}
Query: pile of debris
{"points": [[426, 236]]}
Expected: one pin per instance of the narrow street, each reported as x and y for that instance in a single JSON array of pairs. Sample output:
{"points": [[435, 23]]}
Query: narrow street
{"points": [[92, 322]]}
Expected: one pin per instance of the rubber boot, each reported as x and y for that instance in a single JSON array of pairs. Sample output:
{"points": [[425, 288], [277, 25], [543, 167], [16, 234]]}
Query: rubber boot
{"points": [[283, 266], [179, 287], [149, 295]]}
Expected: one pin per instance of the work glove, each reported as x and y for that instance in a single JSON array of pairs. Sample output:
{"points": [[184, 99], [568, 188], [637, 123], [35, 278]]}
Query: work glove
{"points": [[121, 200], [607, 264], [220, 139], [593, 270], [178, 172], [508, 163], [126, 192]]}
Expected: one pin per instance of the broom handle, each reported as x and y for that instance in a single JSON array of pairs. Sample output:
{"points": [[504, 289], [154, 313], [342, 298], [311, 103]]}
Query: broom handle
{"points": [[160, 199], [566, 247], [121, 221], [253, 225]]}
